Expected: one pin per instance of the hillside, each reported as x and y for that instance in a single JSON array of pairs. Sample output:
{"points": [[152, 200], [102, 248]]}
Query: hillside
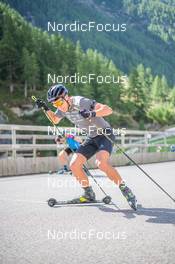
{"points": [[149, 38], [27, 55]]}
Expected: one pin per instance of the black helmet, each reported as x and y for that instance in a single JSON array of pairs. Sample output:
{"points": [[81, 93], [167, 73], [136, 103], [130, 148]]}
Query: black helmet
{"points": [[55, 92]]}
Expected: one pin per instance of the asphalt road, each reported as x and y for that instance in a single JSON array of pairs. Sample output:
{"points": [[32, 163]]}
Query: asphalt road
{"points": [[32, 232]]}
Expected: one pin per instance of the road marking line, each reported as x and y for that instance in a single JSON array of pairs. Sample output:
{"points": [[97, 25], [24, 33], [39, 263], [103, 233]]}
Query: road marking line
{"points": [[23, 201]]}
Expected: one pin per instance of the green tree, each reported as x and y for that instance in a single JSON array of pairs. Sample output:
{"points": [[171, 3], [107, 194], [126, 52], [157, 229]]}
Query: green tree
{"points": [[172, 96], [160, 89], [35, 71], [156, 89], [30, 70], [9, 59], [163, 114], [165, 89], [136, 95]]}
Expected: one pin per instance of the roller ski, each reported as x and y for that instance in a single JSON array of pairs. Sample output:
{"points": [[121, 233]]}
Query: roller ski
{"points": [[130, 197], [87, 198], [78, 201], [64, 171]]}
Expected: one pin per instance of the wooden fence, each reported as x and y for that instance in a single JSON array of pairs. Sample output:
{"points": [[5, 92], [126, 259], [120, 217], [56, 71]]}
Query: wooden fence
{"points": [[31, 149]]}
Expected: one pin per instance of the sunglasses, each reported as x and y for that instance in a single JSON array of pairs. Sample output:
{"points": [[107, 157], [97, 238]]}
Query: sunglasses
{"points": [[58, 102]]}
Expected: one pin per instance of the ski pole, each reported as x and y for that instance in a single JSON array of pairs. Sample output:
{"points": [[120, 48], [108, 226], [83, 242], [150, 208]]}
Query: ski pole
{"points": [[122, 151], [84, 167], [89, 174], [157, 184]]}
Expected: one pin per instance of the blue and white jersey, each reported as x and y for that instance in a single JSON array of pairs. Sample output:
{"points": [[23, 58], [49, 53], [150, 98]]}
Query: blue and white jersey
{"points": [[72, 143]]}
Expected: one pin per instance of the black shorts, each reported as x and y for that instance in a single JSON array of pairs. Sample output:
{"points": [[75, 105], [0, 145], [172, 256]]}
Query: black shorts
{"points": [[70, 151], [93, 145]]}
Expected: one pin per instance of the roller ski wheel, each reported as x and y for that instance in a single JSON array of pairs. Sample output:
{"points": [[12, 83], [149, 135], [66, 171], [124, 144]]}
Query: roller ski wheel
{"points": [[51, 202], [107, 199]]}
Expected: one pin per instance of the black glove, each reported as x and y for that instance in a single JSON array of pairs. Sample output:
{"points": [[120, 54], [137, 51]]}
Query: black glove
{"points": [[41, 104], [87, 114], [58, 139]]}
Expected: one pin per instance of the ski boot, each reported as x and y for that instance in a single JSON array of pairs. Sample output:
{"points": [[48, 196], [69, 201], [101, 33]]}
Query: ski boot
{"points": [[130, 197], [64, 170], [88, 197]]}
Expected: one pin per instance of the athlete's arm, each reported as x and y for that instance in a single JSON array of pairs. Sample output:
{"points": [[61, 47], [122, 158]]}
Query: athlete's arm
{"points": [[102, 110], [55, 119], [50, 114], [99, 111], [92, 109]]}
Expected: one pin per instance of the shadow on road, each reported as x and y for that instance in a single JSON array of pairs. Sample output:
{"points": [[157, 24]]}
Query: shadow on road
{"points": [[156, 215]]}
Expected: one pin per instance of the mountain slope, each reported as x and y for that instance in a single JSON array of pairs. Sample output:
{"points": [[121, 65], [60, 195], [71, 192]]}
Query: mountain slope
{"points": [[27, 55], [158, 16], [142, 42]]}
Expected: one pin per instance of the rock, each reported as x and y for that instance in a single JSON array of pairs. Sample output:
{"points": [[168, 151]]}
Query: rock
{"points": [[17, 111], [26, 109]]}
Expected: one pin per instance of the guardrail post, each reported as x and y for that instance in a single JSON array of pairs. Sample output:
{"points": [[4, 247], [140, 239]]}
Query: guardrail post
{"points": [[34, 149], [165, 140], [122, 140], [14, 143], [146, 142]]}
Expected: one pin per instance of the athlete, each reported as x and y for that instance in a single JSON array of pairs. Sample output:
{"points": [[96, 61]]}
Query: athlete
{"points": [[73, 143], [87, 115]]}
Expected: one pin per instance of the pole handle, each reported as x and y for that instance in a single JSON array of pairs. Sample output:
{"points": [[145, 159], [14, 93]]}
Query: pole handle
{"points": [[33, 98]]}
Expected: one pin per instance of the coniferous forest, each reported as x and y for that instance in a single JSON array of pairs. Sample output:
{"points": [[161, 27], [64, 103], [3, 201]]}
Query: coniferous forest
{"points": [[28, 53]]}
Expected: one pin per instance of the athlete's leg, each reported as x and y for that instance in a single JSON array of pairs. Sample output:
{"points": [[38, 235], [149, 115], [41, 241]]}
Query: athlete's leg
{"points": [[84, 152], [103, 163], [63, 158], [76, 166]]}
